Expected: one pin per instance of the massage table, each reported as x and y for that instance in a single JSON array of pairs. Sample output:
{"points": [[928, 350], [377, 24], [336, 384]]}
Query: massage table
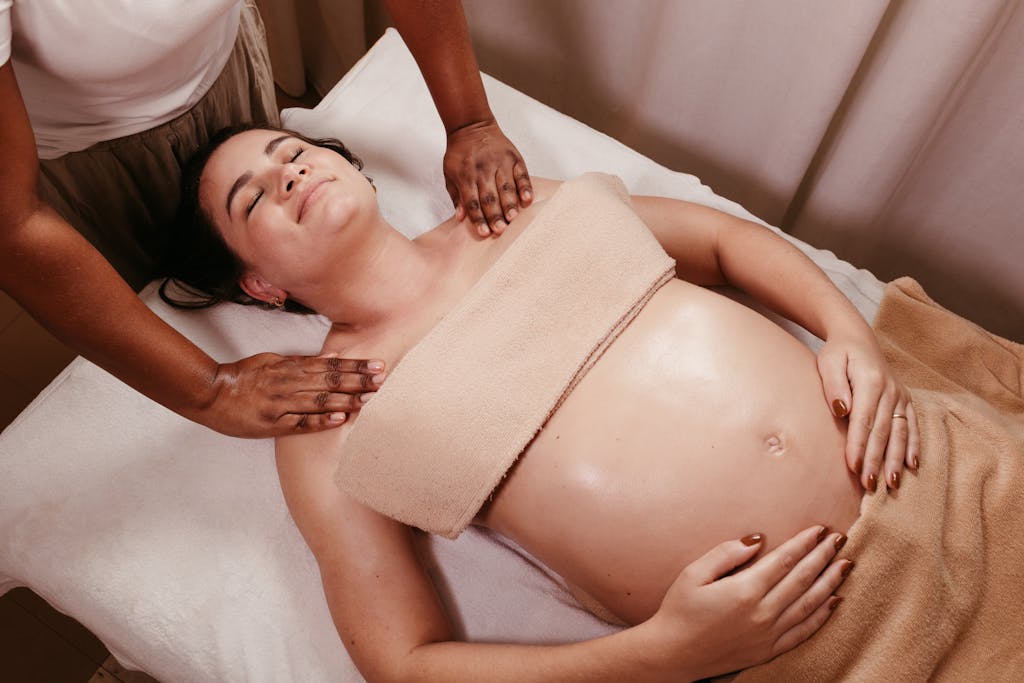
{"points": [[173, 544]]}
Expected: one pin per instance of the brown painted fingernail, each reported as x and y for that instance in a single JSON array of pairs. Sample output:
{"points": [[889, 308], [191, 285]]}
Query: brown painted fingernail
{"points": [[872, 483], [845, 571], [840, 542], [839, 408], [752, 539], [822, 533], [833, 602], [894, 480], [913, 462]]}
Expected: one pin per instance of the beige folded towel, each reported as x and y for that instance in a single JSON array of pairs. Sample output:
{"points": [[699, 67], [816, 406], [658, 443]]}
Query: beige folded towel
{"points": [[465, 402], [938, 590]]}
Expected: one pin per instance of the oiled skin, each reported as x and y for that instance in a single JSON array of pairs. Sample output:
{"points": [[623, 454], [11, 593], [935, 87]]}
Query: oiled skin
{"points": [[703, 421]]}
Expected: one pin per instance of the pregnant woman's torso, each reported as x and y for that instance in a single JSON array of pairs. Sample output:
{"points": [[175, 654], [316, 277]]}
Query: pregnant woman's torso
{"points": [[703, 421]]}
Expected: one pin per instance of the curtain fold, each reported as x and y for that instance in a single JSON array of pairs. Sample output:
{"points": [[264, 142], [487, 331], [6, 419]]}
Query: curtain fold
{"points": [[313, 42], [890, 131]]}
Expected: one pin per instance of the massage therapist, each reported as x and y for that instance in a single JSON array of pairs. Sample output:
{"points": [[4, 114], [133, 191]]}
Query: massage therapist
{"points": [[100, 103]]}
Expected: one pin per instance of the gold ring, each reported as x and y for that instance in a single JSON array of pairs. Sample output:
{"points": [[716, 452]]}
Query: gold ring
{"points": [[897, 416]]}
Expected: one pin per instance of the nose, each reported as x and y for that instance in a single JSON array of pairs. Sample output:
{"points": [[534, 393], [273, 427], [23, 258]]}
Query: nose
{"points": [[291, 174]]}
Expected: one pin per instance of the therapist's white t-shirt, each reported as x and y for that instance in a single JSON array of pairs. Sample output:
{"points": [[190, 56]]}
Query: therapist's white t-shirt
{"points": [[98, 70]]}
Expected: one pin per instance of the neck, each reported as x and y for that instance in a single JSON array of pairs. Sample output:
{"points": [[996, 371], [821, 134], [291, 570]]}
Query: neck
{"points": [[395, 275]]}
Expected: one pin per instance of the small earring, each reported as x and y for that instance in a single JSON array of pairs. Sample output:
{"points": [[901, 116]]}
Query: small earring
{"points": [[276, 302]]}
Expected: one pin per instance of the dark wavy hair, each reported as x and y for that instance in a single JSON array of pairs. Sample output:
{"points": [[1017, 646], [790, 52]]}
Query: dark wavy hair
{"points": [[198, 267]]}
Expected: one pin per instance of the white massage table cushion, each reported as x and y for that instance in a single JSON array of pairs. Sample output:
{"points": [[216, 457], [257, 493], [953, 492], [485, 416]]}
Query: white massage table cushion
{"points": [[173, 543]]}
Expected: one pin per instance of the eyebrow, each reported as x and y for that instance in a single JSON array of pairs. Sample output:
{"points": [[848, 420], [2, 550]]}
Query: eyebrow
{"points": [[247, 176]]}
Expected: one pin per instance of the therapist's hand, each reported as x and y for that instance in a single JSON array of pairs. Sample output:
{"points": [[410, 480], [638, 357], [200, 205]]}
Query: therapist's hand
{"points": [[486, 177], [883, 435], [715, 620], [270, 395]]}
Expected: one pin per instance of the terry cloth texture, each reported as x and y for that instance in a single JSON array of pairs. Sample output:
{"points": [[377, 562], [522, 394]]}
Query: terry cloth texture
{"points": [[465, 402], [122, 194], [938, 590]]}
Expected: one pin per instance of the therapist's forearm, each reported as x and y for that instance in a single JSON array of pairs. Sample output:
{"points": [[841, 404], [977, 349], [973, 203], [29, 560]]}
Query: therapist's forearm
{"points": [[65, 284], [785, 280], [437, 35]]}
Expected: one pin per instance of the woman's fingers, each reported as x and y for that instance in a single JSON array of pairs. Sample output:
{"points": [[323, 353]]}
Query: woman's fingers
{"points": [[453, 192], [806, 628], [490, 203], [507, 196], [332, 363], [878, 438], [913, 438], [722, 559], [270, 395], [810, 583], [324, 384], [896, 448], [310, 422], [344, 375], [486, 175], [522, 180], [832, 368], [778, 565], [804, 598]]}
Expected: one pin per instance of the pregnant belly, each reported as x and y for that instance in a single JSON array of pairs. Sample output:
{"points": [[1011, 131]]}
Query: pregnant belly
{"points": [[703, 422]]}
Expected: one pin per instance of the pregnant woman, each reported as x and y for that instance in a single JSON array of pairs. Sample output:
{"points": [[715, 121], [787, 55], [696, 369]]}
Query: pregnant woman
{"points": [[695, 420]]}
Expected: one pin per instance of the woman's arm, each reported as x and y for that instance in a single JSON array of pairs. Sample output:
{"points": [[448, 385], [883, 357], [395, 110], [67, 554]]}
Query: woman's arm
{"points": [[394, 627], [712, 248], [65, 284], [484, 172]]}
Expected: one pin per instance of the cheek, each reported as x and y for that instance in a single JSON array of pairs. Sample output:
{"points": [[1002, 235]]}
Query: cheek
{"points": [[264, 242]]}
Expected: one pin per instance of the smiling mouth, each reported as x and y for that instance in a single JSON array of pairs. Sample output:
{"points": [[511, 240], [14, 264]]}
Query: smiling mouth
{"points": [[304, 204]]}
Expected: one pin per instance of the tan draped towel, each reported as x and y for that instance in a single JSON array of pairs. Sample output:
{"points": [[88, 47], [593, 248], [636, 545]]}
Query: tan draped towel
{"points": [[938, 588], [465, 402]]}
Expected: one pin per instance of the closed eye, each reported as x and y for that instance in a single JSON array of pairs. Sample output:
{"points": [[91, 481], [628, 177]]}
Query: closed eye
{"points": [[252, 204]]}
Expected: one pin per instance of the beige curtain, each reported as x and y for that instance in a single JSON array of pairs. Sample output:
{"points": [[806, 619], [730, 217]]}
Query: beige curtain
{"points": [[313, 42], [890, 131]]}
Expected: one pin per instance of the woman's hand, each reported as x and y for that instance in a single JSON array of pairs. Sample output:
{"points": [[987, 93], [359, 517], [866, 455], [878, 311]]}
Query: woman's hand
{"points": [[883, 433], [271, 395], [712, 622], [486, 177]]}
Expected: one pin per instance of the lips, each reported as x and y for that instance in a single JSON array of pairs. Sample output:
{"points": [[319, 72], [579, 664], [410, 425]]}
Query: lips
{"points": [[307, 196]]}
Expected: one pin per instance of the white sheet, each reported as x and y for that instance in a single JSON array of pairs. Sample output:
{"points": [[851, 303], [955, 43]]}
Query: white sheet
{"points": [[173, 544]]}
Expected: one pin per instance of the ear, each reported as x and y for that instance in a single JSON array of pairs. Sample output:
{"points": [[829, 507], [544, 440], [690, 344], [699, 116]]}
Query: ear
{"points": [[258, 288]]}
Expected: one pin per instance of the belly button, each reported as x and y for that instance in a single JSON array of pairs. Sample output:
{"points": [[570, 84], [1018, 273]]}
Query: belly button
{"points": [[775, 445]]}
